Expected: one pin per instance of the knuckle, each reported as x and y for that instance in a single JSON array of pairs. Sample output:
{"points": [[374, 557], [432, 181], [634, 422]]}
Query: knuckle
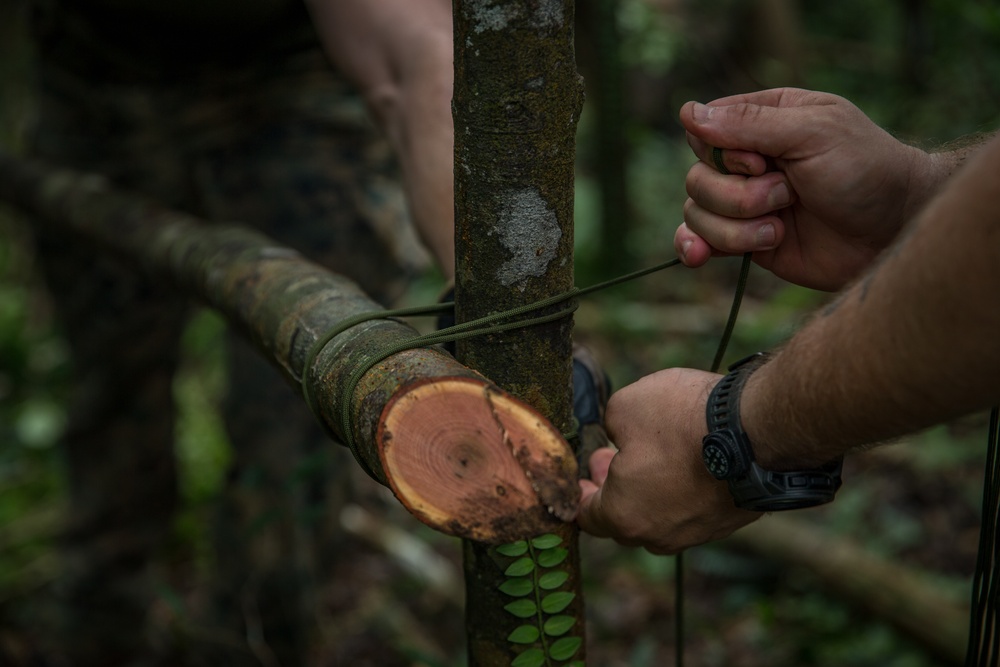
{"points": [[689, 206], [693, 181], [745, 112], [744, 207]]}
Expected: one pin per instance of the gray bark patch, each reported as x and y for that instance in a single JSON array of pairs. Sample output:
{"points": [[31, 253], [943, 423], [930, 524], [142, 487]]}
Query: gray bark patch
{"points": [[548, 15], [487, 17], [528, 228]]}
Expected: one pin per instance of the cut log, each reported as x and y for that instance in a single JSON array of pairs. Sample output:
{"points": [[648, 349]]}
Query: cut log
{"points": [[495, 452], [283, 304]]}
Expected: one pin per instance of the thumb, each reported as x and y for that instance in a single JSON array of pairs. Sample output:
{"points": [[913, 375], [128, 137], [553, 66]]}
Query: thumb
{"points": [[777, 132], [590, 516]]}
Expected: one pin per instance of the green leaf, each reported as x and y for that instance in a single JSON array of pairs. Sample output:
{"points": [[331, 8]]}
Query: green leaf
{"points": [[525, 634], [546, 541], [563, 649], [576, 663], [558, 625], [553, 603], [517, 588], [533, 657], [522, 608], [552, 557], [551, 580], [514, 549], [520, 567]]}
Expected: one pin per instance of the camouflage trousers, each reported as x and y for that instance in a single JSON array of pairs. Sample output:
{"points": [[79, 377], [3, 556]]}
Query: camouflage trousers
{"points": [[283, 147]]}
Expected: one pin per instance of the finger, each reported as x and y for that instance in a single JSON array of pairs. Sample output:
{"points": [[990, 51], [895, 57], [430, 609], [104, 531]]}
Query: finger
{"points": [[773, 97], [693, 250], [735, 161], [738, 197], [733, 236], [768, 130], [600, 463], [590, 516]]}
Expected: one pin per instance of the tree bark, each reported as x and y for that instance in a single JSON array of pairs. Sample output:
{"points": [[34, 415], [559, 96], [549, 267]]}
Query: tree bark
{"points": [[434, 431], [516, 104]]}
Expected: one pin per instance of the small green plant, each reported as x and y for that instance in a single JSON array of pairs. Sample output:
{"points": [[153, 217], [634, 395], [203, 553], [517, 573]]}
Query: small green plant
{"points": [[535, 580]]}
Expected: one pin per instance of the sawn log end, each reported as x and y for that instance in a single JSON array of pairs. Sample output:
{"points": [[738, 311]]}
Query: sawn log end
{"points": [[475, 462]]}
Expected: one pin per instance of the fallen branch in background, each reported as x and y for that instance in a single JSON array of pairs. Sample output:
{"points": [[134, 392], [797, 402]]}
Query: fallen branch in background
{"points": [[899, 595], [415, 556]]}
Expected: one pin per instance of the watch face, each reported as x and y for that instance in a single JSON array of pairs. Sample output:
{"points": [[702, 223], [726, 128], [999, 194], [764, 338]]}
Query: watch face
{"points": [[716, 458]]}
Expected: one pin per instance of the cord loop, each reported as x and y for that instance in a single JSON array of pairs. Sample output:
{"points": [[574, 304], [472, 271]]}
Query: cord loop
{"points": [[490, 324]]}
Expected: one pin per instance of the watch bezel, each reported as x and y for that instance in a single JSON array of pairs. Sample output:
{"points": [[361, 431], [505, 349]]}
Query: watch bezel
{"points": [[733, 451]]}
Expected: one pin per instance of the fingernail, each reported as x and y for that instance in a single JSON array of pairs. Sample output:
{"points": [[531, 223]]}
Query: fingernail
{"points": [[685, 246], [779, 196], [765, 237], [701, 112]]}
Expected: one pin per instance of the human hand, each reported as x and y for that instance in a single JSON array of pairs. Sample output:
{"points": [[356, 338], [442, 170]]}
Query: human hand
{"points": [[655, 491], [817, 189]]}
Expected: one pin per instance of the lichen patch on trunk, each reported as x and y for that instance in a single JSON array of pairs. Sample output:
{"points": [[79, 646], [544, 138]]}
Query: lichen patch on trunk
{"points": [[548, 15], [493, 15], [488, 16], [528, 228]]}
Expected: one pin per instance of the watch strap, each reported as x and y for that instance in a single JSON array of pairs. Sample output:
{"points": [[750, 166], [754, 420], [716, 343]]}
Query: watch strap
{"points": [[723, 408], [752, 487], [773, 491]]}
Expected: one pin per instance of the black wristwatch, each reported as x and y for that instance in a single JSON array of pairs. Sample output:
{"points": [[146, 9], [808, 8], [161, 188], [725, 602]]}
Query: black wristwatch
{"points": [[728, 455]]}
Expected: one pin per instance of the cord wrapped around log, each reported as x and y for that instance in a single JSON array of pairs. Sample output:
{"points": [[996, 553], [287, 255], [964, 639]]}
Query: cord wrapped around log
{"points": [[459, 453]]}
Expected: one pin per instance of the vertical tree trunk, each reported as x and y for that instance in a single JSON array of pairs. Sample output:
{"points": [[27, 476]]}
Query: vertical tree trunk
{"points": [[517, 101]]}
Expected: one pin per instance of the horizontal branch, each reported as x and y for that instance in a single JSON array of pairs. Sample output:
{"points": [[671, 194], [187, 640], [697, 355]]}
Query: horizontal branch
{"points": [[459, 453]]}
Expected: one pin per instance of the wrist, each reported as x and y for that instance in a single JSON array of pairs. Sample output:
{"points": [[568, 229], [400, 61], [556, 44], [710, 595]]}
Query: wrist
{"points": [[927, 173], [930, 170], [774, 423], [729, 454], [753, 415]]}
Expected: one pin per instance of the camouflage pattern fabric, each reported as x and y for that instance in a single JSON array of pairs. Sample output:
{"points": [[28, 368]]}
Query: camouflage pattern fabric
{"points": [[277, 142]]}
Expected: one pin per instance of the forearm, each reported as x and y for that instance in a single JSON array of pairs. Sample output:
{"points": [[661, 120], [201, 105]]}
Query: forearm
{"points": [[399, 54], [935, 167], [418, 123], [911, 344]]}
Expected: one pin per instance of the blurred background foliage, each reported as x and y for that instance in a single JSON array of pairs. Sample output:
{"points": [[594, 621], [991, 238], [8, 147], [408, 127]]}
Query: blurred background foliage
{"points": [[927, 70]]}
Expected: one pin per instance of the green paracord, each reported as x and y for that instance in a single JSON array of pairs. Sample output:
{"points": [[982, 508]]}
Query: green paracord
{"points": [[491, 324]]}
